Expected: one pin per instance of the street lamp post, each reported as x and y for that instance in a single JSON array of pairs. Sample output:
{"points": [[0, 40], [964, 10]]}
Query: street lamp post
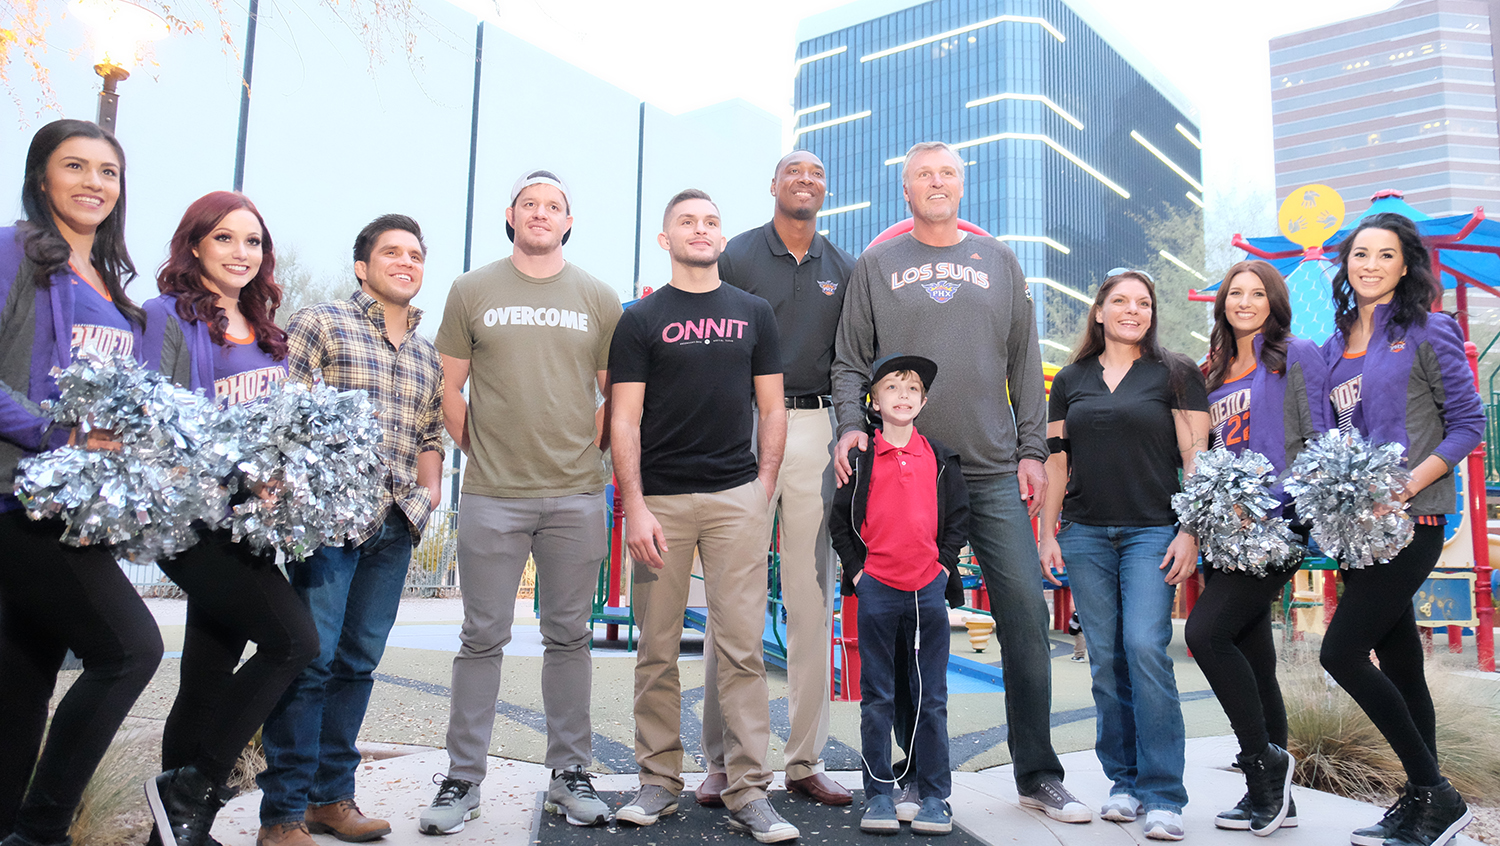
{"points": [[109, 99]]}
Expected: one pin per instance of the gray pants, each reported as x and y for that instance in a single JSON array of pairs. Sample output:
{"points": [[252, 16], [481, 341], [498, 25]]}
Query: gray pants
{"points": [[566, 536]]}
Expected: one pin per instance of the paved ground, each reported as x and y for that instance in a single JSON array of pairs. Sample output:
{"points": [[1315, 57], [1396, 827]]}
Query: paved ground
{"points": [[409, 708]]}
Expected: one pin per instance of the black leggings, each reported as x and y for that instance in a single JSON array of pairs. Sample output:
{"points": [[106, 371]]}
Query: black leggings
{"points": [[1375, 613], [54, 598], [1230, 636], [234, 597]]}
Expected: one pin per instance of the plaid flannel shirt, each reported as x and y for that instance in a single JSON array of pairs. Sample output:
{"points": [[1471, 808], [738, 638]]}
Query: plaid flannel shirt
{"points": [[345, 343]]}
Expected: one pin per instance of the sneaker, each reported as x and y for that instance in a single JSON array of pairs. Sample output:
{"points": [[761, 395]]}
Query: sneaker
{"points": [[1269, 779], [908, 803], [1051, 798], [457, 802], [1121, 807], [651, 803], [880, 816], [936, 817], [183, 805], [571, 793], [1438, 813], [763, 823], [1163, 825], [1375, 835]]}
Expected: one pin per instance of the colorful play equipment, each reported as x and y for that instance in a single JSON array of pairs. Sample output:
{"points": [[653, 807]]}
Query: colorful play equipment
{"points": [[1465, 251]]}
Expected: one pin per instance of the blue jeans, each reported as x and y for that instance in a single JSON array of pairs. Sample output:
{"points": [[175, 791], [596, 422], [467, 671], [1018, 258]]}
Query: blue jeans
{"points": [[1125, 605], [353, 592], [887, 620], [1005, 548]]}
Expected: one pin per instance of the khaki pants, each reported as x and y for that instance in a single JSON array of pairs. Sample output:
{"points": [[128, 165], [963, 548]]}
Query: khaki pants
{"points": [[728, 528], [804, 494]]}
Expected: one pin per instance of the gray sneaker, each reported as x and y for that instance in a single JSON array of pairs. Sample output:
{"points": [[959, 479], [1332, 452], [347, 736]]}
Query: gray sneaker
{"points": [[1054, 800], [763, 823], [908, 803], [571, 793], [457, 802], [651, 803]]}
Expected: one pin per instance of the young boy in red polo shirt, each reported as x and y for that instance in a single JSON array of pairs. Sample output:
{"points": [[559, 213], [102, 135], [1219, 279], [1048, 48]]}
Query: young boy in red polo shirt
{"points": [[898, 524]]}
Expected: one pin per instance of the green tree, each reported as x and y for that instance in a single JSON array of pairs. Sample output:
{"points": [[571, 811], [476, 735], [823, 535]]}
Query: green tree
{"points": [[300, 289], [1178, 232]]}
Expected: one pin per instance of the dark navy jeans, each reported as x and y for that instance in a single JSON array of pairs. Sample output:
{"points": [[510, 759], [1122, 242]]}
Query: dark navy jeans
{"points": [[1005, 549], [353, 592], [887, 620]]}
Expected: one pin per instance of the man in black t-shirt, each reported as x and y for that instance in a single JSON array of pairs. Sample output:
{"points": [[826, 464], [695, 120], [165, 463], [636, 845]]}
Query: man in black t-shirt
{"points": [[685, 363], [803, 276]]}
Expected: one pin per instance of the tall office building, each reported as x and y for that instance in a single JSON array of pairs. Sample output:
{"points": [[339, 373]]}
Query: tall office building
{"points": [[1068, 134], [1403, 99]]}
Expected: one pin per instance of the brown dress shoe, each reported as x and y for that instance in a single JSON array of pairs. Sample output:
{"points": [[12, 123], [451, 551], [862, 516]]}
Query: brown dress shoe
{"points": [[285, 834], [710, 793], [343, 820], [820, 788]]}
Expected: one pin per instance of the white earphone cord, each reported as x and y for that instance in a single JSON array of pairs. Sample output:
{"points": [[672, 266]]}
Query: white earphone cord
{"points": [[911, 746]]}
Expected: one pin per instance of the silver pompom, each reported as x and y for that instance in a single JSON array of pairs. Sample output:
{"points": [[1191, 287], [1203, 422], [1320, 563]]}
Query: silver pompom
{"points": [[312, 451], [1348, 489], [1229, 505], [145, 497]]}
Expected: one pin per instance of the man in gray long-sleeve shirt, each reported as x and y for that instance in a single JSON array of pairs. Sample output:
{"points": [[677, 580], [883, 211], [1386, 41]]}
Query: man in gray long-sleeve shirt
{"points": [[962, 301]]}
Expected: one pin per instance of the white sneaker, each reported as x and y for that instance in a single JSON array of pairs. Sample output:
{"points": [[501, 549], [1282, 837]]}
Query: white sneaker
{"points": [[1121, 807], [1163, 825]]}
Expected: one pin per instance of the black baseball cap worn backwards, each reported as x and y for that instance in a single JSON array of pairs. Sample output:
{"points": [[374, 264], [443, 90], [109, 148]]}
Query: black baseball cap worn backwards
{"points": [[925, 368]]}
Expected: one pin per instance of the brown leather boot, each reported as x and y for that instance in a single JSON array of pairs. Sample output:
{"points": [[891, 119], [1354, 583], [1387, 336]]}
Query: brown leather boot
{"points": [[285, 834], [343, 820]]}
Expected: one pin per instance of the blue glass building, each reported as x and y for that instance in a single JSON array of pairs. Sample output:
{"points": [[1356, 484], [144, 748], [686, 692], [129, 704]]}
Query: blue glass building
{"points": [[1068, 136]]}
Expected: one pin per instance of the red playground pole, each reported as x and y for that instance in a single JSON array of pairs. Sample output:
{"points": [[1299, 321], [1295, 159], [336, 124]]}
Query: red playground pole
{"points": [[1484, 605], [616, 558]]}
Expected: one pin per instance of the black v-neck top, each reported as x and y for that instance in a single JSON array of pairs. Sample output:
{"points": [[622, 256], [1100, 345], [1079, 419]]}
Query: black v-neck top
{"points": [[1124, 455]]}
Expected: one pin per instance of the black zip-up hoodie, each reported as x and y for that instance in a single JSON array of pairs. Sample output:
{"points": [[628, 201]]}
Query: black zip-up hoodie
{"points": [[952, 507]]}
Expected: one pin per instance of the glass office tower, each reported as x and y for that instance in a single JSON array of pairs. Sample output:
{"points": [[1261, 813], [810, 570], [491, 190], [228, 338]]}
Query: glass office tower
{"points": [[1069, 138]]}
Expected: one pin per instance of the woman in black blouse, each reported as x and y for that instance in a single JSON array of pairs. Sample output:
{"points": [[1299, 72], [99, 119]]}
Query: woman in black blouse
{"points": [[1126, 416]]}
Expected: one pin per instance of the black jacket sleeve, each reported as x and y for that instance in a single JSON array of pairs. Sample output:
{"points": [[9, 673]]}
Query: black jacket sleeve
{"points": [[842, 531], [955, 523]]}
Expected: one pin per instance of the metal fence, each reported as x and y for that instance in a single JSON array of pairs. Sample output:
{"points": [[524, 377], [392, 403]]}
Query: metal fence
{"points": [[433, 571]]}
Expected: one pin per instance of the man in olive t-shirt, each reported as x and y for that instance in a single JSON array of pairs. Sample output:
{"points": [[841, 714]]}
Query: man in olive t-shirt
{"points": [[531, 335]]}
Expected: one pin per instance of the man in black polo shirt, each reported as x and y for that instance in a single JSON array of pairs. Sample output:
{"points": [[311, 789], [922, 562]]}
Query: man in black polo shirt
{"points": [[803, 276]]}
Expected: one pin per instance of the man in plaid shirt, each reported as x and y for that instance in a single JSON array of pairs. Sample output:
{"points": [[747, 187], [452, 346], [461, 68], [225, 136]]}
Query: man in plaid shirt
{"points": [[368, 341]]}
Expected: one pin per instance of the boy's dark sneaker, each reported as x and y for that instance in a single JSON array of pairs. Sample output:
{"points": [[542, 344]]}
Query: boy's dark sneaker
{"points": [[934, 818], [1437, 814], [880, 816]]}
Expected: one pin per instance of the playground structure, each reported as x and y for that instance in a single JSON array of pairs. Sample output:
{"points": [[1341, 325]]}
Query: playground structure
{"points": [[1465, 251]]}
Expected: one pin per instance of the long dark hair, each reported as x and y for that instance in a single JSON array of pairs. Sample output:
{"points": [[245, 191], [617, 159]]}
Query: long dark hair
{"points": [[45, 245], [181, 275], [1091, 343], [1415, 292], [1275, 332]]}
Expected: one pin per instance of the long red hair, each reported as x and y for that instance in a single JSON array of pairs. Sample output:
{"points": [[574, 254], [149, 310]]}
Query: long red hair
{"points": [[181, 275]]}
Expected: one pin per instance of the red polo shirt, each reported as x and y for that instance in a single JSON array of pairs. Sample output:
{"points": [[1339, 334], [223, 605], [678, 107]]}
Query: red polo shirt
{"points": [[901, 519]]}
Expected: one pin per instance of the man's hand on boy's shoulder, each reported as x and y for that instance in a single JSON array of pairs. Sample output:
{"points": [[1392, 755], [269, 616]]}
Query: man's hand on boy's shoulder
{"points": [[843, 468]]}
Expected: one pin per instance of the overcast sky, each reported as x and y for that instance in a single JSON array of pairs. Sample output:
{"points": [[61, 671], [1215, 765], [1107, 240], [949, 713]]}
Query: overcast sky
{"points": [[682, 56]]}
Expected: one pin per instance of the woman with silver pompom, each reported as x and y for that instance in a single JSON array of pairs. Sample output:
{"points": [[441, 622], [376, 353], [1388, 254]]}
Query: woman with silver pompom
{"points": [[1267, 392], [213, 329], [63, 272], [1398, 374], [1125, 415]]}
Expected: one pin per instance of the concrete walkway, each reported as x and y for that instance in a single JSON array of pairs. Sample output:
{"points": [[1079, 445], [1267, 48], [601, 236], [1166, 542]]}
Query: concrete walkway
{"points": [[984, 803]]}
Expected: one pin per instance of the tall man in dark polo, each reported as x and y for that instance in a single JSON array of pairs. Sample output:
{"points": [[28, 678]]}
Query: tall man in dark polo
{"points": [[803, 276], [962, 301]]}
